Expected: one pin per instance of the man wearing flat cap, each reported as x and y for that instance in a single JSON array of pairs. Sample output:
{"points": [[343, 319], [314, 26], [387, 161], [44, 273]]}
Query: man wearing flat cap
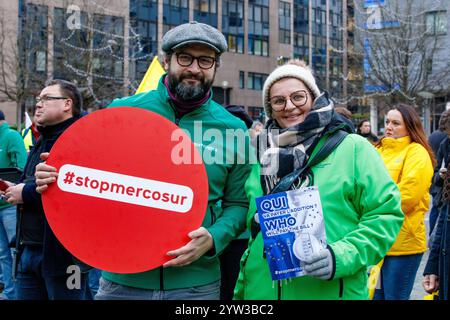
{"points": [[184, 96]]}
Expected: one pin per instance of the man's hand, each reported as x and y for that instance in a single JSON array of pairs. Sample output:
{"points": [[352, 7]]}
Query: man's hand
{"points": [[201, 243], [14, 194], [319, 265], [430, 283], [44, 174]]}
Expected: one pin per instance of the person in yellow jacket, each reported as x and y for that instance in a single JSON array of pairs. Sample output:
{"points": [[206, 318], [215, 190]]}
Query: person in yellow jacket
{"points": [[30, 136], [410, 161]]}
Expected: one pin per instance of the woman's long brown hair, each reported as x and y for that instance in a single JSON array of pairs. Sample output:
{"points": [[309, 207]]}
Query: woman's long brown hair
{"points": [[414, 127]]}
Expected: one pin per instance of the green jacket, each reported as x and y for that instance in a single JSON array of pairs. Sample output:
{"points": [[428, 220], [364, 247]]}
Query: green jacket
{"points": [[362, 211], [12, 151], [224, 219]]}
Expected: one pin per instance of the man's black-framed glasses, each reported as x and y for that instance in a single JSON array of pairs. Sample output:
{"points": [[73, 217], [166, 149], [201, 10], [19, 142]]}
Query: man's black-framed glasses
{"points": [[185, 60], [48, 98], [298, 98]]}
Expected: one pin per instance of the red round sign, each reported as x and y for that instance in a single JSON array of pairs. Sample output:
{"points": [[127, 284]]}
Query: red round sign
{"points": [[125, 194]]}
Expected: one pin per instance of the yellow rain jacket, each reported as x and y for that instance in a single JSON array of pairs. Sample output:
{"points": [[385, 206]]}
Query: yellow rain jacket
{"points": [[410, 166]]}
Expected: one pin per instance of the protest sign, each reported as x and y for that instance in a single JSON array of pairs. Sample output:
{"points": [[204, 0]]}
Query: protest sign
{"points": [[121, 202]]}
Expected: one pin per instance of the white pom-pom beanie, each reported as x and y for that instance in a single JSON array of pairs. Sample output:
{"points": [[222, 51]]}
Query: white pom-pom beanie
{"points": [[288, 71]]}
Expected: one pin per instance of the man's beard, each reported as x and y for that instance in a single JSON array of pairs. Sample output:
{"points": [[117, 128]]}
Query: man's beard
{"points": [[185, 92]]}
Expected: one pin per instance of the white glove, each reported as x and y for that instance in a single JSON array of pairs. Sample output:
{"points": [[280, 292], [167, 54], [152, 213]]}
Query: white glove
{"points": [[319, 265]]}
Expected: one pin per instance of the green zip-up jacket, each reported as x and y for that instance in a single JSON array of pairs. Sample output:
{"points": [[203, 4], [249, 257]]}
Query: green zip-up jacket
{"points": [[362, 212], [12, 151], [226, 182]]}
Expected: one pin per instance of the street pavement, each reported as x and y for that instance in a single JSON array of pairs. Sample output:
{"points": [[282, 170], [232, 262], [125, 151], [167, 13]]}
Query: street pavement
{"points": [[418, 292]]}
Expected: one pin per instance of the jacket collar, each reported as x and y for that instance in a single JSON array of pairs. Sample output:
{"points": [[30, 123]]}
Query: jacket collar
{"points": [[58, 128], [396, 144]]}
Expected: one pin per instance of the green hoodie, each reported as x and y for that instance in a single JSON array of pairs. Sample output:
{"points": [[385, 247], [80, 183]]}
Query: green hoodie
{"points": [[362, 212], [12, 151], [224, 219]]}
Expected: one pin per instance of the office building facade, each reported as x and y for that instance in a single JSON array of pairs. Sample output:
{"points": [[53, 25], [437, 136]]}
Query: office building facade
{"points": [[106, 46]]}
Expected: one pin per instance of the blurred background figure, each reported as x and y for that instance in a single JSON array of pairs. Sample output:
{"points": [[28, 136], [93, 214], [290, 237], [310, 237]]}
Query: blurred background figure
{"points": [[365, 129], [12, 155], [435, 139], [437, 269], [256, 129], [410, 161], [347, 115], [344, 111], [30, 134]]}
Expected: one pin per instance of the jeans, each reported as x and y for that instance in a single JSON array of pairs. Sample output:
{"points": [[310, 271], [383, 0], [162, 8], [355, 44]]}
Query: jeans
{"points": [[398, 274], [93, 283], [109, 290], [7, 232], [32, 284]]}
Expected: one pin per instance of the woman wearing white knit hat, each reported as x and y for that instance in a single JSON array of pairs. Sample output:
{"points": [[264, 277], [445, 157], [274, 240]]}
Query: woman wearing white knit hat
{"points": [[307, 144]]}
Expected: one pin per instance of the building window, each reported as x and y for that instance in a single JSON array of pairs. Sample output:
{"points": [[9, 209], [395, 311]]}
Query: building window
{"points": [[258, 27], [256, 113], [233, 24], [40, 61], [436, 22], [205, 11], [255, 81], [106, 24], [241, 80], [284, 22], [301, 30], [97, 64], [175, 12], [429, 66], [33, 40], [66, 42], [143, 43]]}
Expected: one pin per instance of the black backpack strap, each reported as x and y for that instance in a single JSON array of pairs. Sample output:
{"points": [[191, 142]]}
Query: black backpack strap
{"points": [[325, 150]]}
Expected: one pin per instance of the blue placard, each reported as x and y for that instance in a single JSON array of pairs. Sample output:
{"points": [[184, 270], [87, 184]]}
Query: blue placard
{"points": [[292, 228]]}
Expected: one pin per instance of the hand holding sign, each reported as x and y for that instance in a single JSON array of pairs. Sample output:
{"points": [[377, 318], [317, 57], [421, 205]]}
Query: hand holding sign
{"points": [[120, 202], [44, 174], [201, 243]]}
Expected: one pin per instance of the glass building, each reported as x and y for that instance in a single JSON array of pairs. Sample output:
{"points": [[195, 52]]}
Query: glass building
{"points": [[112, 48]]}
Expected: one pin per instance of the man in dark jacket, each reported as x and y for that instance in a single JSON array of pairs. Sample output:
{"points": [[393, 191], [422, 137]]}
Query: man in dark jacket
{"points": [[42, 261]]}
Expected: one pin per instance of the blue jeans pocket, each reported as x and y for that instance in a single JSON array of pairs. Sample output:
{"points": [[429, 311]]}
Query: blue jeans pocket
{"points": [[30, 261]]}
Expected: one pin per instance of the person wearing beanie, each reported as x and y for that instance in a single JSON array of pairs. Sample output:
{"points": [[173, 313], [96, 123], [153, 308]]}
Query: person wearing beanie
{"points": [[184, 96], [305, 144]]}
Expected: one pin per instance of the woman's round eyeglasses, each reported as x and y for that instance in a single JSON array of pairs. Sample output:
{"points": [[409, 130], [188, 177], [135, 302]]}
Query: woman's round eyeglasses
{"points": [[298, 98]]}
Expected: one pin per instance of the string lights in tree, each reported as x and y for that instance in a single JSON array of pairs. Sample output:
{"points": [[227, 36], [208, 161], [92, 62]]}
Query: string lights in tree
{"points": [[412, 19], [108, 48]]}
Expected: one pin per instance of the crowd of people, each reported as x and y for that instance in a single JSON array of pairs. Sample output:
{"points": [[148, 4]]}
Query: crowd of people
{"points": [[374, 192]]}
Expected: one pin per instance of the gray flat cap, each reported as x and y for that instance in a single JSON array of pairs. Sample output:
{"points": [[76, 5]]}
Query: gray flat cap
{"points": [[194, 32]]}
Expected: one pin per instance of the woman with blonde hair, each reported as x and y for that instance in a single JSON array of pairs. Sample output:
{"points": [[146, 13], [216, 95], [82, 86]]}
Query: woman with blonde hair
{"points": [[410, 161]]}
